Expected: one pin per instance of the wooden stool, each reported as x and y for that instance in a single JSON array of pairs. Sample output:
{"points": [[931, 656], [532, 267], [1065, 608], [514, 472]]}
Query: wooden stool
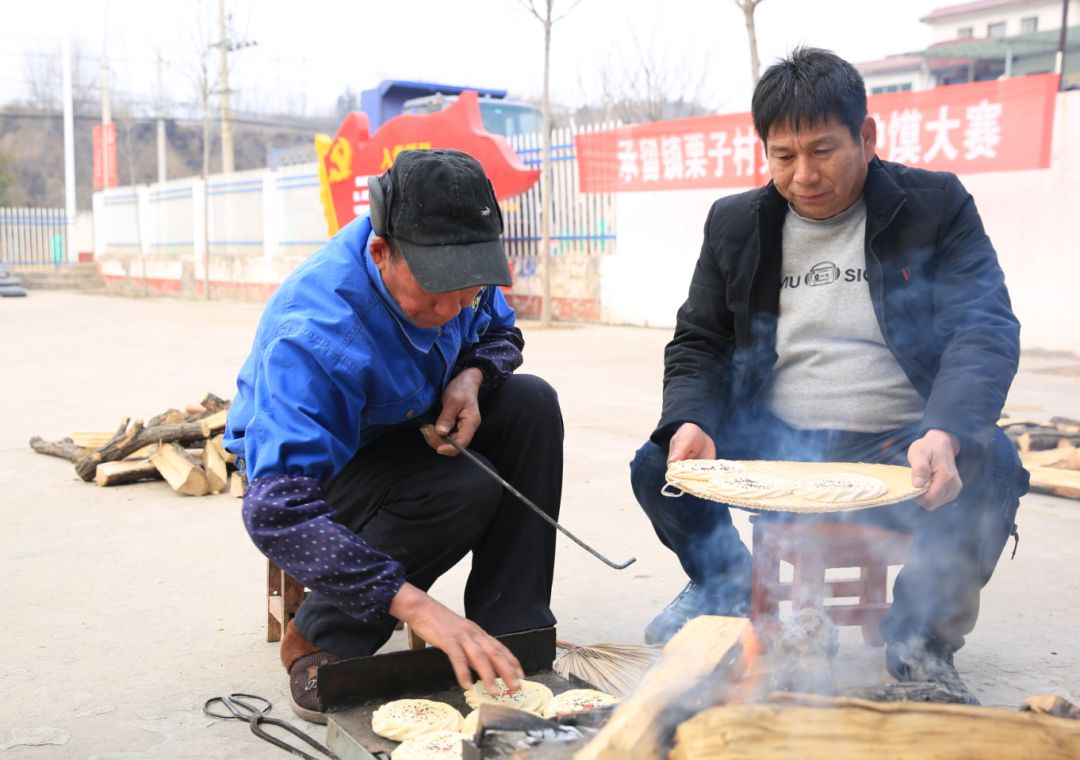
{"points": [[812, 547], [283, 596]]}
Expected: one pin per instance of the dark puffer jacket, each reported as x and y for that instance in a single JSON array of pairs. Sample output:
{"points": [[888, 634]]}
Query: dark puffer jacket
{"points": [[937, 290]]}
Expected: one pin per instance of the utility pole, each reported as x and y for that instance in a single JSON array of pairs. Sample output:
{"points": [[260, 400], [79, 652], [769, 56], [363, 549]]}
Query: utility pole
{"points": [[223, 76], [545, 174], [161, 171], [226, 45], [206, 177], [69, 152], [1062, 44], [303, 85], [106, 106]]}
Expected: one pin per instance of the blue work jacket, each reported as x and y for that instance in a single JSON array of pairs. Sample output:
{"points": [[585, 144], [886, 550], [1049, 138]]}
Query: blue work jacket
{"points": [[335, 363]]}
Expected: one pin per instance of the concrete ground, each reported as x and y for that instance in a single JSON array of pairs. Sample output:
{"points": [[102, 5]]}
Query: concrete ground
{"points": [[124, 608]]}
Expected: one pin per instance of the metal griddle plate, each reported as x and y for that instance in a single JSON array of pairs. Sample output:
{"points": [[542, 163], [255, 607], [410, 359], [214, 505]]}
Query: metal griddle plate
{"points": [[353, 689]]}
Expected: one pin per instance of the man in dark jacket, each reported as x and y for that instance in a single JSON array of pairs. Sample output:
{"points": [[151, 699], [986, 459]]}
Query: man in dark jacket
{"points": [[851, 310]]}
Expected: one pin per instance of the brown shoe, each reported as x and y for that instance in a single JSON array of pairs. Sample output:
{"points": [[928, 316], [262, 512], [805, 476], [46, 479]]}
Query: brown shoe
{"points": [[303, 683]]}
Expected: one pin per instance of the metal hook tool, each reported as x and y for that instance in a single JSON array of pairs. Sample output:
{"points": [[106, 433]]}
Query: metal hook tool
{"points": [[524, 500]]}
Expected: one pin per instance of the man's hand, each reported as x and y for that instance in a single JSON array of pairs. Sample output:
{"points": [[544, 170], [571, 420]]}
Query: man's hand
{"points": [[460, 413], [463, 641], [690, 442], [933, 461]]}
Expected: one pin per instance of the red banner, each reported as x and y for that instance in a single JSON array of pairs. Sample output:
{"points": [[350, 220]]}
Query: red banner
{"points": [[105, 174], [994, 126]]}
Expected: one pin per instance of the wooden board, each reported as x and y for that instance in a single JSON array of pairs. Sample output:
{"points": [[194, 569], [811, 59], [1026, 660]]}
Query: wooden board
{"points": [[181, 472], [1055, 481], [637, 726], [237, 484], [215, 423], [92, 440], [854, 729], [125, 471], [1064, 456], [213, 461], [897, 479]]}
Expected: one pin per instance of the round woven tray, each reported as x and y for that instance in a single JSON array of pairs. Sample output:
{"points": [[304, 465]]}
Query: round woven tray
{"points": [[897, 479]]}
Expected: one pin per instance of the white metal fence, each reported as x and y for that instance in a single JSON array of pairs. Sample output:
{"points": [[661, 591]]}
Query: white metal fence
{"points": [[580, 223], [272, 213], [33, 236]]}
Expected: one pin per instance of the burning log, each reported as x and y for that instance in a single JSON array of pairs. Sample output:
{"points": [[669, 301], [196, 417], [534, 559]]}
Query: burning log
{"points": [[695, 670], [910, 691], [853, 729]]}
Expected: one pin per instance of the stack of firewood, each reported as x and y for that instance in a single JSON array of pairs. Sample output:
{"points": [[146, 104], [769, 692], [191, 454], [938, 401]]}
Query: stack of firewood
{"points": [[1050, 451], [183, 448]]}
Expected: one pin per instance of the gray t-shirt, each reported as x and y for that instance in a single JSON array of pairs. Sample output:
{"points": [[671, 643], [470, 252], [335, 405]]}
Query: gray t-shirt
{"points": [[834, 370]]}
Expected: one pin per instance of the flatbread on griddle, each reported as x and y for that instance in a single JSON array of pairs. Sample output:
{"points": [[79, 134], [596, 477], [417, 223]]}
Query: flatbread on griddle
{"points": [[436, 745], [531, 696], [405, 718], [578, 700]]}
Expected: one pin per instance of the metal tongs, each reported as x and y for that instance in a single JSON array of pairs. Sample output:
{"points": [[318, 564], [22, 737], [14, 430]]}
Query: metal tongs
{"points": [[524, 500], [253, 709]]}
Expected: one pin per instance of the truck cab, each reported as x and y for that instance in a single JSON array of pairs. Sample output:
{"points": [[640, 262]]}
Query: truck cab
{"points": [[501, 115]]}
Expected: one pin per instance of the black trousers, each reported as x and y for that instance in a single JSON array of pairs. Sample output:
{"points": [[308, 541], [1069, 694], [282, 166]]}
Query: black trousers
{"points": [[428, 511], [954, 551]]}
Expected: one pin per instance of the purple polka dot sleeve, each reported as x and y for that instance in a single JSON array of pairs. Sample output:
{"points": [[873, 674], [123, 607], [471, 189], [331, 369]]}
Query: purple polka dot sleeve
{"points": [[497, 355], [289, 521]]}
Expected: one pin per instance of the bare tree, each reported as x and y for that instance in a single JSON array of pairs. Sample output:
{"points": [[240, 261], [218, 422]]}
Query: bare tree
{"points": [[43, 75], [748, 7], [201, 73], [11, 194], [548, 20], [653, 84], [127, 119]]}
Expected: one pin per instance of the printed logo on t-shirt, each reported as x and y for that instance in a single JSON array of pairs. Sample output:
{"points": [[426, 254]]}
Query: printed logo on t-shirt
{"points": [[823, 273]]}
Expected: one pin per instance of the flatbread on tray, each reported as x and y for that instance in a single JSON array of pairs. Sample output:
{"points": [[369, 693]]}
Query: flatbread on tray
{"points": [[530, 696], [779, 486], [434, 745], [405, 718], [578, 700]]}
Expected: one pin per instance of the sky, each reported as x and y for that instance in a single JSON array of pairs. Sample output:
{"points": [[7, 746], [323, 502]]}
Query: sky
{"points": [[306, 54]]}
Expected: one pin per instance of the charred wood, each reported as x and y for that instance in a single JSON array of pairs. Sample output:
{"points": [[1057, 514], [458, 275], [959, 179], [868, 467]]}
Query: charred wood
{"points": [[910, 691]]}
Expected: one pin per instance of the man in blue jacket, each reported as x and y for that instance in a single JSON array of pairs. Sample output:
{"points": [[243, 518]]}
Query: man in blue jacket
{"points": [[851, 310], [390, 337]]}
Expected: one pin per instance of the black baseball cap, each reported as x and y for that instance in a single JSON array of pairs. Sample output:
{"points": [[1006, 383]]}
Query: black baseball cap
{"points": [[440, 208]]}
